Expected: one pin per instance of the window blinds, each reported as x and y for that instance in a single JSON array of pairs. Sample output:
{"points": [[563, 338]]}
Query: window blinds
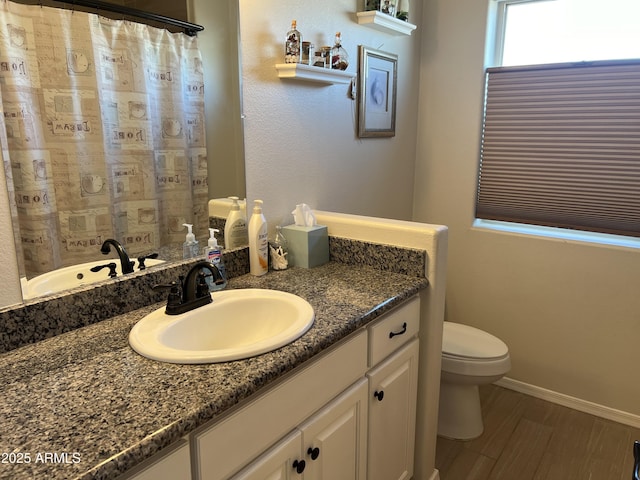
{"points": [[561, 146]]}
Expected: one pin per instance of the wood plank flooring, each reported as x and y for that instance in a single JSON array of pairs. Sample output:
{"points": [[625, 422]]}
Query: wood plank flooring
{"points": [[526, 438]]}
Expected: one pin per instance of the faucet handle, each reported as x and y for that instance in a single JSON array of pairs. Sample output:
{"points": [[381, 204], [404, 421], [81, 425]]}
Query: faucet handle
{"points": [[175, 293], [111, 266], [202, 287], [141, 265]]}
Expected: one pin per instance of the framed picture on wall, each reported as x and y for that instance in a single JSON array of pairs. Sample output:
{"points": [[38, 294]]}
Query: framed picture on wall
{"points": [[377, 74]]}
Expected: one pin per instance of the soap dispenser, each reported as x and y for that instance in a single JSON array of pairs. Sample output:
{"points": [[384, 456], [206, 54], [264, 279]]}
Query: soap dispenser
{"points": [[235, 228], [213, 254], [190, 245], [258, 243]]}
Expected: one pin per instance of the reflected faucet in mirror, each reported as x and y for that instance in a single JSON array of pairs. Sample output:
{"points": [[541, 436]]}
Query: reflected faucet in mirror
{"points": [[87, 273], [111, 266], [126, 265], [225, 166]]}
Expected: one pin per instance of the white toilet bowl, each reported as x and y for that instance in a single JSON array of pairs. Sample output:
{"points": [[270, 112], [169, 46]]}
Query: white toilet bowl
{"points": [[470, 357]]}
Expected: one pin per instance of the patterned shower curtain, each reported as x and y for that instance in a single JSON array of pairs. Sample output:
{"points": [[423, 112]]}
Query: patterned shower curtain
{"points": [[103, 134]]}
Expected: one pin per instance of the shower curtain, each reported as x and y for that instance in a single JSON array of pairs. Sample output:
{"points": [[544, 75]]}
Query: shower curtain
{"points": [[103, 134]]}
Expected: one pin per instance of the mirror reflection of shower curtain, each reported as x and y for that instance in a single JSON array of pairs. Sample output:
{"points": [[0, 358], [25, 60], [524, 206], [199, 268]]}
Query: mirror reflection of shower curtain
{"points": [[103, 134]]}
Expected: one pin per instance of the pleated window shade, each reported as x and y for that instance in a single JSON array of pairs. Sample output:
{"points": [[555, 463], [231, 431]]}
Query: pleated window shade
{"points": [[561, 146]]}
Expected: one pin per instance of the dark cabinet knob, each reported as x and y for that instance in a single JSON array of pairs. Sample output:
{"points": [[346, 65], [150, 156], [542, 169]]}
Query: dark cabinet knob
{"points": [[379, 395], [314, 453], [299, 465]]}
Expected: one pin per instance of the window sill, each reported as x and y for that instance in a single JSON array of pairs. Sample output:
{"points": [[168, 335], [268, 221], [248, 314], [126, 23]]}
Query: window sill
{"points": [[558, 233]]}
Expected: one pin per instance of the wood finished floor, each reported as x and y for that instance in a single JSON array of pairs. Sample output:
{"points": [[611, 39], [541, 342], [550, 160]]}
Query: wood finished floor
{"points": [[526, 438]]}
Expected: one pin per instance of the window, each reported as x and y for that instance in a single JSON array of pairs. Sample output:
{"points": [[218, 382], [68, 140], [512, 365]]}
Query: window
{"points": [[561, 141]]}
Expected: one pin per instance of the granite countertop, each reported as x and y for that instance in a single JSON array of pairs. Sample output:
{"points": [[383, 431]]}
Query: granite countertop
{"points": [[84, 405]]}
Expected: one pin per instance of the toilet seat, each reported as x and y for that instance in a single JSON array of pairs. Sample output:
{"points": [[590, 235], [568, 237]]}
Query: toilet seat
{"points": [[472, 352], [469, 342]]}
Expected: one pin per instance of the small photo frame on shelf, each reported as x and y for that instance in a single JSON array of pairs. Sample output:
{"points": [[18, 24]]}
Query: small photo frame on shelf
{"points": [[377, 75]]}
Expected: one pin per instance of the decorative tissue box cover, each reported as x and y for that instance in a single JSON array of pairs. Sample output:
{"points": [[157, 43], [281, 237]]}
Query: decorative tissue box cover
{"points": [[308, 246]]}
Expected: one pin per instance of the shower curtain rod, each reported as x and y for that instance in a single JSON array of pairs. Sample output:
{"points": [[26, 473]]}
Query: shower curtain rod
{"points": [[189, 28]]}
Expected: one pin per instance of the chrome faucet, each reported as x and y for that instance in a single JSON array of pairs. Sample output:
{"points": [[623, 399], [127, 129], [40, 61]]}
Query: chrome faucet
{"points": [[192, 291], [125, 262]]}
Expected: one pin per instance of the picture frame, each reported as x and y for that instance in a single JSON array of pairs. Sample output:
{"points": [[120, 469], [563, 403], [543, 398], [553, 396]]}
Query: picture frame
{"points": [[377, 80]]}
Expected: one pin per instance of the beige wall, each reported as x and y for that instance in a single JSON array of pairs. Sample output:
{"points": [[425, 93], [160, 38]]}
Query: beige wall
{"points": [[300, 139], [218, 43], [570, 312]]}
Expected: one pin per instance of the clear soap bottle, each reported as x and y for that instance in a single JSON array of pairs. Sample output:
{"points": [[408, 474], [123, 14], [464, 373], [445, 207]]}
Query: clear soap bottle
{"points": [[293, 45], [213, 254], [190, 246], [339, 56]]}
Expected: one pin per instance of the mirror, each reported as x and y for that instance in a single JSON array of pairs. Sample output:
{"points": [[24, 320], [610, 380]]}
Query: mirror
{"points": [[219, 47]]}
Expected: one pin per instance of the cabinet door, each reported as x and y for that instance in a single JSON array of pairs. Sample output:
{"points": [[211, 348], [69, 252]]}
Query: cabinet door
{"points": [[281, 462], [392, 415], [334, 439], [176, 463]]}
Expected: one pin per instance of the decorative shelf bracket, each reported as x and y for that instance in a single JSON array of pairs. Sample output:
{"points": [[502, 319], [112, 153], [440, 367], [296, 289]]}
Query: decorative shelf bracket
{"points": [[385, 23], [308, 73]]}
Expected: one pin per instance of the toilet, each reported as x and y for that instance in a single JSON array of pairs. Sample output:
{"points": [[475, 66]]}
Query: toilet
{"points": [[470, 357]]}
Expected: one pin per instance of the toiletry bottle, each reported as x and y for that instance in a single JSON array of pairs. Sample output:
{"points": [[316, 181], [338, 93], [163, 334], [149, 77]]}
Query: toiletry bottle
{"points": [[293, 45], [279, 251], [258, 244], [235, 228], [190, 245], [339, 56], [213, 254]]}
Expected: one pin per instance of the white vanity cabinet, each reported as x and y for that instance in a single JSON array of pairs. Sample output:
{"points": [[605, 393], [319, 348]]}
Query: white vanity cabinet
{"points": [[392, 415], [279, 463], [170, 464], [393, 383], [347, 415], [244, 434], [331, 445]]}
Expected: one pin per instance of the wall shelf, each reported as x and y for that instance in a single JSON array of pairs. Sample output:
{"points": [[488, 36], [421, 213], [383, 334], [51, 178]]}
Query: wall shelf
{"points": [[385, 23], [308, 73]]}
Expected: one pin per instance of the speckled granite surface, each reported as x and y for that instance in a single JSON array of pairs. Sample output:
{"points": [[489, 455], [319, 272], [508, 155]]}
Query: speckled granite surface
{"points": [[88, 395], [45, 317]]}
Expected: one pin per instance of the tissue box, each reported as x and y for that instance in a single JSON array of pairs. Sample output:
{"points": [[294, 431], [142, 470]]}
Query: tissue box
{"points": [[308, 246]]}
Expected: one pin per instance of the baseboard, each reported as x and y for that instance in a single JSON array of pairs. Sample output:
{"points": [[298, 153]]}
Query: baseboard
{"points": [[436, 475], [571, 402]]}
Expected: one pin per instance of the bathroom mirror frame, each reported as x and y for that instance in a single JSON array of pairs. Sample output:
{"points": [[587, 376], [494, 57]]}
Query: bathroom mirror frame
{"points": [[219, 44]]}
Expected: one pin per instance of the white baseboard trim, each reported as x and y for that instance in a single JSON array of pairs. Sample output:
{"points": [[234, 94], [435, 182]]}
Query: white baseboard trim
{"points": [[571, 402]]}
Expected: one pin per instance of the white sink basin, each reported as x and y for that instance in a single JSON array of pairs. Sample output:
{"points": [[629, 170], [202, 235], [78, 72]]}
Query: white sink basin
{"points": [[238, 324], [74, 276]]}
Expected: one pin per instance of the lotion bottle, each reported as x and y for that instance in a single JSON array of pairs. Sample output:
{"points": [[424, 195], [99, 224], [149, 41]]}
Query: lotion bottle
{"points": [[190, 245], [213, 254], [235, 228], [258, 243]]}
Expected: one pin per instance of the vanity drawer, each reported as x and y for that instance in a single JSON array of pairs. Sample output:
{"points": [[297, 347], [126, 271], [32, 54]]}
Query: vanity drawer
{"points": [[393, 330], [232, 442]]}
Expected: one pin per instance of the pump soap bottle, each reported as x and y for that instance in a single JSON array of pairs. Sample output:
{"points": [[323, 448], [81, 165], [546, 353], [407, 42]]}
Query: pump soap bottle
{"points": [[190, 245], [258, 244], [213, 254], [235, 228]]}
